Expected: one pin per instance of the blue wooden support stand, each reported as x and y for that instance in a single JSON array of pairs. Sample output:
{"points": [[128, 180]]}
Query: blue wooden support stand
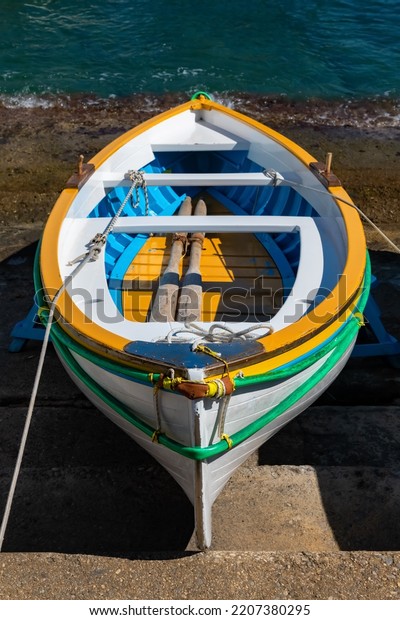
{"points": [[380, 342], [30, 328]]}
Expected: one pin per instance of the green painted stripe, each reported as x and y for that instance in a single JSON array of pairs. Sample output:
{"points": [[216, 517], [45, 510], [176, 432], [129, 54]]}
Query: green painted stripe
{"points": [[337, 345], [197, 452]]}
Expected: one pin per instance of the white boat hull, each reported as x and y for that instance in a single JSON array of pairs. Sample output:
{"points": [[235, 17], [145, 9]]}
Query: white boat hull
{"points": [[191, 422]]}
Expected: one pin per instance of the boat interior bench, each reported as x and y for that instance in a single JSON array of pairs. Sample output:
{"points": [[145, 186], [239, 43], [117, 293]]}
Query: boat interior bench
{"points": [[111, 179]]}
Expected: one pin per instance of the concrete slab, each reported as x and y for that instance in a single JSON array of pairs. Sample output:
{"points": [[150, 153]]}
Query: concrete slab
{"points": [[76, 460], [214, 575]]}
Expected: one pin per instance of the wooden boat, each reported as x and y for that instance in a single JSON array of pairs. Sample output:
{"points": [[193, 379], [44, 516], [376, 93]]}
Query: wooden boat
{"points": [[208, 279]]}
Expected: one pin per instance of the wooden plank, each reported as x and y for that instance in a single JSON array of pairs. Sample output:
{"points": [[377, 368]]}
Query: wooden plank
{"points": [[228, 278], [231, 266], [111, 179], [228, 304], [216, 223]]}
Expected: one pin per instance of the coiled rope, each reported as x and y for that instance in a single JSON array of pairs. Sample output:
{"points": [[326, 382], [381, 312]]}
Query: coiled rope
{"points": [[217, 333]]}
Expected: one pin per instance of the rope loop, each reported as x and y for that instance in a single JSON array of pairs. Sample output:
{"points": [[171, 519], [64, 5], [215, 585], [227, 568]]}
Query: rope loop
{"points": [[202, 348], [137, 178], [155, 436], [228, 440], [217, 333], [41, 311], [199, 94]]}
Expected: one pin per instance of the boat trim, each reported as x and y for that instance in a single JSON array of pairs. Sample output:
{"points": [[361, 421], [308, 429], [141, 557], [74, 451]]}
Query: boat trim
{"points": [[113, 179]]}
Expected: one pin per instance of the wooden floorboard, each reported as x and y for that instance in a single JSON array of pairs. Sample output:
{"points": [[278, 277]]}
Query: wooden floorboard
{"points": [[240, 280]]}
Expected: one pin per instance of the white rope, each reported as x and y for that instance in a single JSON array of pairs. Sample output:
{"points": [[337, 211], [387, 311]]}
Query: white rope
{"points": [[24, 434], [222, 411], [93, 253], [52, 307], [97, 243], [137, 179], [217, 333], [351, 204]]}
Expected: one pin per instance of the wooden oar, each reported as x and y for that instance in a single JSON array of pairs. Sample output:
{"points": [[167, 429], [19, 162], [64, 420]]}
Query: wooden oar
{"points": [[164, 305], [190, 298]]}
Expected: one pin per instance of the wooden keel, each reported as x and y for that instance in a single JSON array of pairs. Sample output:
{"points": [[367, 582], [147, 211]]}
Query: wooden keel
{"points": [[165, 302], [190, 298], [202, 507]]}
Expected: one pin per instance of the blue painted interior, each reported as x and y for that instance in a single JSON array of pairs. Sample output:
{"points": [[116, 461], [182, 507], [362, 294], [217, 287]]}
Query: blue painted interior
{"points": [[242, 200]]}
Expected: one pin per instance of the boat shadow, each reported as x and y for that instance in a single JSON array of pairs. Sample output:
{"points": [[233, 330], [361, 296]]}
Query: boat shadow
{"points": [[341, 464], [85, 487], [350, 439]]}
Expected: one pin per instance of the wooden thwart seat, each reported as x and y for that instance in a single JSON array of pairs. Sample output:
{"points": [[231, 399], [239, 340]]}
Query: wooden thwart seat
{"points": [[111, 179], [217, 223]]}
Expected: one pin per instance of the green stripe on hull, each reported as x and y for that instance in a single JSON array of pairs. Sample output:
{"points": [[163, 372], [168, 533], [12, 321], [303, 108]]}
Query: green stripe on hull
{"points": [[197, 452], [337, 345]]}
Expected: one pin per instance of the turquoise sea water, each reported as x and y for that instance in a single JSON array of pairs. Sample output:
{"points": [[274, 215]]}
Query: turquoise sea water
{"points": [[329, 49]]}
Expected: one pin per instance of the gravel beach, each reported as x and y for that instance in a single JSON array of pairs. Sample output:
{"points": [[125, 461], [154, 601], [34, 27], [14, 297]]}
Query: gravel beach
{"points": [[40, 147]]}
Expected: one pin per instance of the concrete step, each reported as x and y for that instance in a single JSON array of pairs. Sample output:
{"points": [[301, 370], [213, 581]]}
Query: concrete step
{"points": [[303, 508], [312, 515], [256, 576], [76, 434], [86, 488]]}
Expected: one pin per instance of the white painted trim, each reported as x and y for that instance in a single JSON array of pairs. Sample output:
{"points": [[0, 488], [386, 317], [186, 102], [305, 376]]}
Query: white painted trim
{"points": [[219, 223], [111, 179], [204, 146]]}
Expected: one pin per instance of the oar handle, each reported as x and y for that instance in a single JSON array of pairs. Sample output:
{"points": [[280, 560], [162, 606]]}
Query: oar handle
{"points": [[191, 294], [163, 308]]}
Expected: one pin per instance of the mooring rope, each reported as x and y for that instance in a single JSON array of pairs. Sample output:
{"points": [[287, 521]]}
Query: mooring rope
{"points": [[93, 253], [137, 180], [351, 204], [28, 419]]}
